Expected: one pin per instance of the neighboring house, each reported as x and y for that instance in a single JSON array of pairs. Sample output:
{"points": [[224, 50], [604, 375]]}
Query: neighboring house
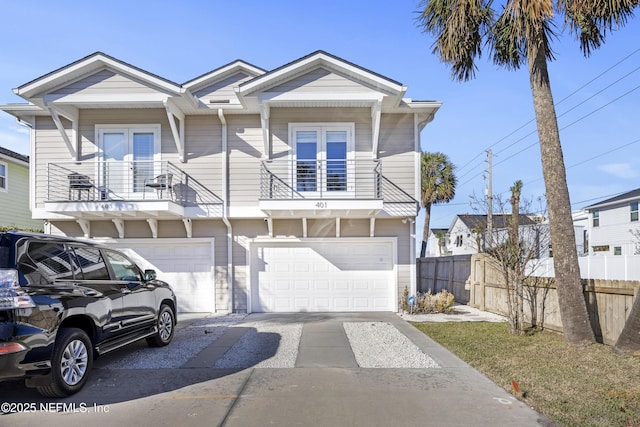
{"points": [[14, 191], [467, 233], [249, 190], [438, 242], [611, 223]]}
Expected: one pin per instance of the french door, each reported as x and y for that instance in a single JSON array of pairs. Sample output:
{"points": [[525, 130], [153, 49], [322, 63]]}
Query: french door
{"points": [[129, 159], [322, 160]]}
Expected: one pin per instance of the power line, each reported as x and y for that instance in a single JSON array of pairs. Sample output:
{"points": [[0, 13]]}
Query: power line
{"points": [[558, 103]]}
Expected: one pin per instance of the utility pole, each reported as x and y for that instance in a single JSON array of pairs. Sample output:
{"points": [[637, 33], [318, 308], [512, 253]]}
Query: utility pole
{"points": [[489, 201]]}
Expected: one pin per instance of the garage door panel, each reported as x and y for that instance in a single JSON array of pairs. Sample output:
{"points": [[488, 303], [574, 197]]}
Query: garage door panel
{"points": [[336, 276], [187, 266]]}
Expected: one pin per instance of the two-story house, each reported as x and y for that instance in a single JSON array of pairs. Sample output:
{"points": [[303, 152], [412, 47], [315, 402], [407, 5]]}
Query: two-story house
{"points": [[14, 191], [287, 190], [612, 223]]}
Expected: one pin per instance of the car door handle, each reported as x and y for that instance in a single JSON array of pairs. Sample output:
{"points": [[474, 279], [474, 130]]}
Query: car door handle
{"points": [[125, 290]]}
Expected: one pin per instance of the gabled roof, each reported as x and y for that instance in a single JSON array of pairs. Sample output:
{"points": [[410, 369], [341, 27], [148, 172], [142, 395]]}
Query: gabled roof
{"points": [[88, 65], [317, 59], [499, 221], [222, 72], [102, 81], [629, 196], [5, 153]]}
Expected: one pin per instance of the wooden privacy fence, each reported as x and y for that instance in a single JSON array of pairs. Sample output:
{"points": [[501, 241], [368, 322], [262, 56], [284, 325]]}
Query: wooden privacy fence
{"points": [[450, 273], [608, 301]]}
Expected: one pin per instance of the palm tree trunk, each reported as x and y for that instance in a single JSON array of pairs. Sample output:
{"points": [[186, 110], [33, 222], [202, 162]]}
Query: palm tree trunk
{"points": [[425, 230], [573, 308]]}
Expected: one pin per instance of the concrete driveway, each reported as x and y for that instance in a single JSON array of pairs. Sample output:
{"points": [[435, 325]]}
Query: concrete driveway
{"points": [[325, 387]]}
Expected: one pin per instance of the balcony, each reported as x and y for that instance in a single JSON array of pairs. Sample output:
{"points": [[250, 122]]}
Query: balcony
{"points": [[327, 188], [117, 189]]}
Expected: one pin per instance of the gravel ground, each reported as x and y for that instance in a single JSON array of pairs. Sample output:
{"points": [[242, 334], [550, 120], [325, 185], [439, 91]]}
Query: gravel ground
{"points": [[460, 313], [187, 343], [265, 345], [381, 345]]}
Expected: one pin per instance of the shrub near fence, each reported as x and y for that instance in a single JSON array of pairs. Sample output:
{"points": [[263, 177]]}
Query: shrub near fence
{"points": [[608, 301]]}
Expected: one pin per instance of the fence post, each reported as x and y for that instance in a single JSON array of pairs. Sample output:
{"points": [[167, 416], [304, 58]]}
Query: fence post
{"points": [[483, 282]]}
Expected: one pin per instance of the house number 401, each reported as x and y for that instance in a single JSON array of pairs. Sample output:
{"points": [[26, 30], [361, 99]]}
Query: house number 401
{"points": [[321, 205]]}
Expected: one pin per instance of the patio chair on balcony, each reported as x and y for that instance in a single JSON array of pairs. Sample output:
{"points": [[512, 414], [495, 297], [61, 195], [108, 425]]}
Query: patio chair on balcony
{"points": [[78, 184], [160, 183]]}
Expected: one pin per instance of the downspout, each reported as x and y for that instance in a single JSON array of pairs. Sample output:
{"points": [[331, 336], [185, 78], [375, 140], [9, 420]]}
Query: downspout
{"points": [[412, 256], [225, 211]]}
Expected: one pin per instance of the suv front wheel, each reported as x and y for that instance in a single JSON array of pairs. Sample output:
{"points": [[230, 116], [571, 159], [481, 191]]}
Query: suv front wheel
{"points": [[70, 365], [166, 322]]}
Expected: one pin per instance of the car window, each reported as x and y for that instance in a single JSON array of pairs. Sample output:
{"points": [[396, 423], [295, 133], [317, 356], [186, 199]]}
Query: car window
{"points": [[52, 260], [123, 268], [92, 264]]}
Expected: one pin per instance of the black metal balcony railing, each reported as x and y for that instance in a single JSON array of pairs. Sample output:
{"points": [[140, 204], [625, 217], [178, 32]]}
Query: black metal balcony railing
{"points": [[95, 181], [315, 179]]}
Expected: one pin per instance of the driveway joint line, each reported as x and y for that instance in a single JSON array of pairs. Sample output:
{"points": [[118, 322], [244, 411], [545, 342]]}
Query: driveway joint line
{"points": [[235, 400]]}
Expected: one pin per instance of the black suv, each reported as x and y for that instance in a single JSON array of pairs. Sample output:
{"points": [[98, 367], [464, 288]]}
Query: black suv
{"points": [[64, 302]]}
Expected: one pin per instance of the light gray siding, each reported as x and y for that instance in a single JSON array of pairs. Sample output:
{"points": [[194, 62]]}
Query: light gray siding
{"points": [[321, 80], [246, 148], [105, 82], [395, 228], [396, 150], [222, 90]]}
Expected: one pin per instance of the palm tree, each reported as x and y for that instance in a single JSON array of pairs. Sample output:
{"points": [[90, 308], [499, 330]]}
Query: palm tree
{"points": [[438, 185], [522, 34]]}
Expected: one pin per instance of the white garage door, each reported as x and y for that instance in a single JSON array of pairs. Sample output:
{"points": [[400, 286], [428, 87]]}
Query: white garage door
{"points": [[340, 275], [188, 266]]}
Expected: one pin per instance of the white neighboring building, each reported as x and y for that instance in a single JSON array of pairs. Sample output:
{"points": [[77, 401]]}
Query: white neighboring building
{"points": [[466, 235], [610, 225]]}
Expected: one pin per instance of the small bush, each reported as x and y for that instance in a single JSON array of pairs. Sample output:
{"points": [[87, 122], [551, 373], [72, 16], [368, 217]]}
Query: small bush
{"points": [[442, 302]]}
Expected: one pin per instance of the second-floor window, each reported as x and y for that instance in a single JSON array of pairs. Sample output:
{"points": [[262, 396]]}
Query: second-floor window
{"points": [[634, 211], [3, 176], [323, 154], [596, 218]]}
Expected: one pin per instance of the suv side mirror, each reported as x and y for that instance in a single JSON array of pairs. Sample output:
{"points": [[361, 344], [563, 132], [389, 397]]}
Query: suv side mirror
{"points": [[149, 275]]}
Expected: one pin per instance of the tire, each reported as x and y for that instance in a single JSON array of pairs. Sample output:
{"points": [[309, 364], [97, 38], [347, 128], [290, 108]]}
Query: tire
{"points": [[71, 363], [166, 323]]}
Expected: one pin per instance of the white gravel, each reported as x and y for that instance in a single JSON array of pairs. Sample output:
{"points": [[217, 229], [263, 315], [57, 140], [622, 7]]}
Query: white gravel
{"points": [[274, 345], [381, 345], [265, 345], [186, 344]]}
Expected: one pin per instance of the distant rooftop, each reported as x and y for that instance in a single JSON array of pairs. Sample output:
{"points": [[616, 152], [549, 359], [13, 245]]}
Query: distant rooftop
{"points": [[17, 156], [629, 195]]}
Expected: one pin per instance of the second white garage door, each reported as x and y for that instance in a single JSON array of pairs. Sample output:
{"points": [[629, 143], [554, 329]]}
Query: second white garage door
{"points": [[336, 275], [186, 264]]}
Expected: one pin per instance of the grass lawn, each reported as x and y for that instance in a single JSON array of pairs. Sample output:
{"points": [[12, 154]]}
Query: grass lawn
{"points": [[587, 385]]}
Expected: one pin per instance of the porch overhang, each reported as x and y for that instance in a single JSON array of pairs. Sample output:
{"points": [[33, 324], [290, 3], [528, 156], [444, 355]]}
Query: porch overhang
{"points": [[114, 209], [325, 208]]}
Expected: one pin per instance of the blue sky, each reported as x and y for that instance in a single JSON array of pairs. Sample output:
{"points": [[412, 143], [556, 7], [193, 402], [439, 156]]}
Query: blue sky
{"points": [[598, 98]]}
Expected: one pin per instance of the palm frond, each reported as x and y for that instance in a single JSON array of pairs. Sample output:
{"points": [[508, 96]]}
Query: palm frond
{"points": [[590, 20], [459, 28]]}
